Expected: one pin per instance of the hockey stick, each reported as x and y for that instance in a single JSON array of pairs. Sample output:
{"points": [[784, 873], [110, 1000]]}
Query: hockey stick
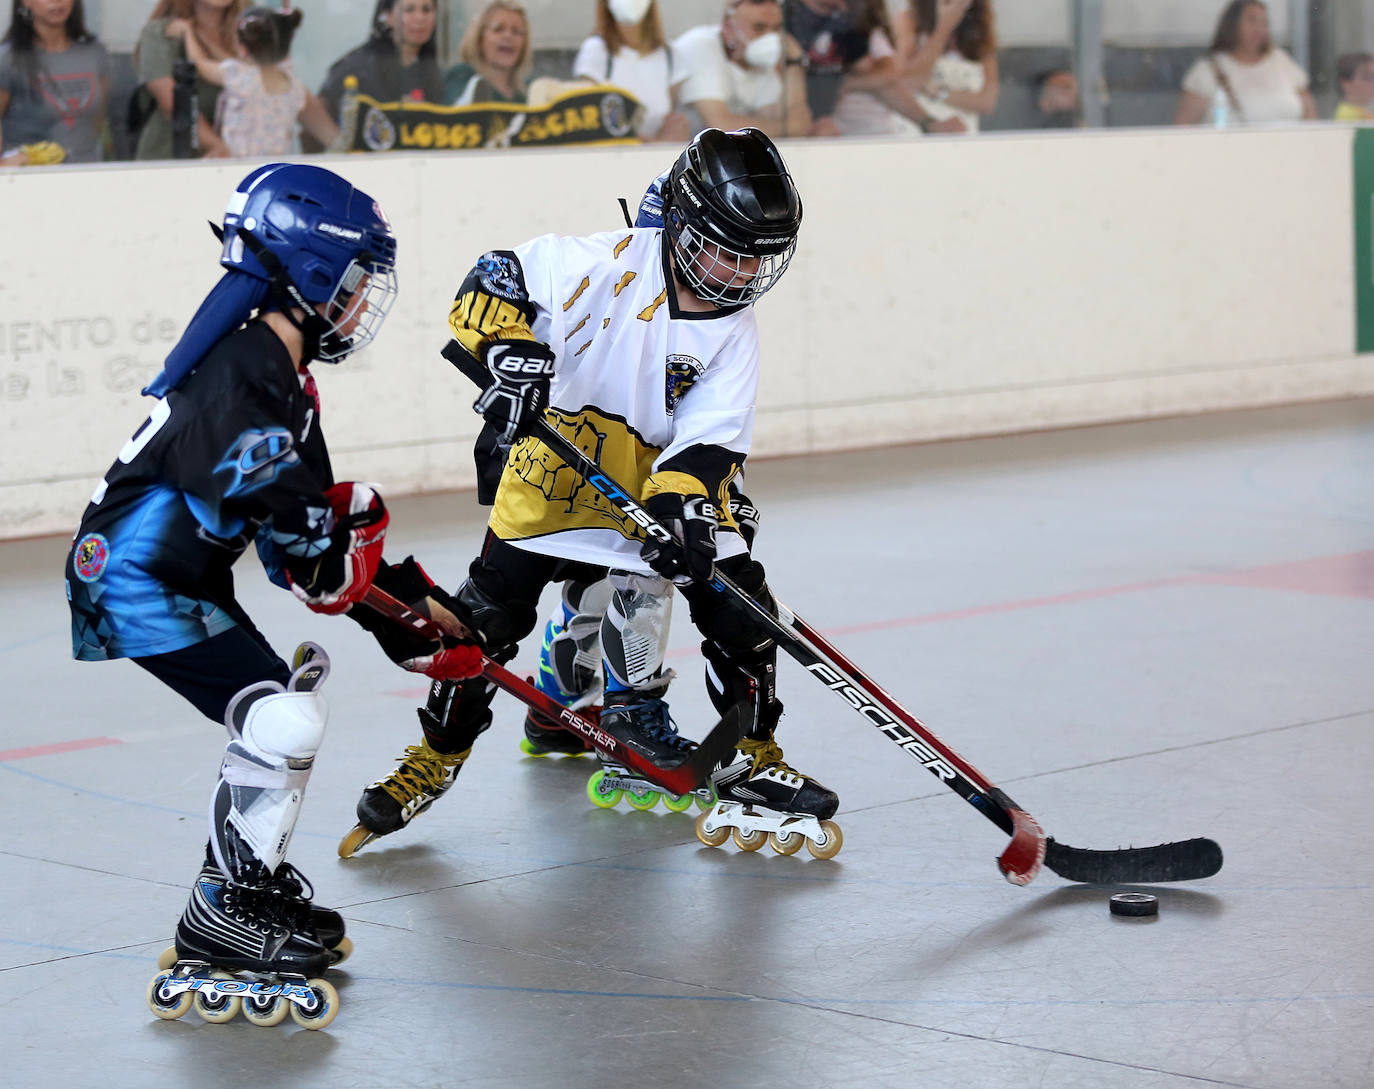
{"points": [[715, 747], [1021, 860]]}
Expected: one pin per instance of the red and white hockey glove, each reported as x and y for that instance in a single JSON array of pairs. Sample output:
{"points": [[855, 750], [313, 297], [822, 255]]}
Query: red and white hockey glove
{"points": [[331, 581]]}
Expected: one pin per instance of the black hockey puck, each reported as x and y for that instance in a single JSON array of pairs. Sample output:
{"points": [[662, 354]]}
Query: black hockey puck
{"points": [[1134, 903]]}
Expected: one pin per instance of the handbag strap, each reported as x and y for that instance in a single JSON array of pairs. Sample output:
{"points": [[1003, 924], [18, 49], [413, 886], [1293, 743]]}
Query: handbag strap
{"points": [[1226, 87]]}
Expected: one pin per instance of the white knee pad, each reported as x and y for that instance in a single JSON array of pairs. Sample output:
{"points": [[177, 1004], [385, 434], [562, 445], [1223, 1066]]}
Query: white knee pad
{"points": [[574, 653], [634, 635], [274, 734]]}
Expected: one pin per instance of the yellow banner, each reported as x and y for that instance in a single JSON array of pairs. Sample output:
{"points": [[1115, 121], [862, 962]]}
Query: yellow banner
{"points": [[596, 114]]}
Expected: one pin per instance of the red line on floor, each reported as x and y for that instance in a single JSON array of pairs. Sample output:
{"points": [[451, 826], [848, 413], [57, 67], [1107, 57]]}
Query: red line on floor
{"points": [[59, 746]]}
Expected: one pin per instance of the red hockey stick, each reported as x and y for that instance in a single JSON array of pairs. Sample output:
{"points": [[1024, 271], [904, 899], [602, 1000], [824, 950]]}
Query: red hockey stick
{"points": [[1187, 860], [715, 747]]}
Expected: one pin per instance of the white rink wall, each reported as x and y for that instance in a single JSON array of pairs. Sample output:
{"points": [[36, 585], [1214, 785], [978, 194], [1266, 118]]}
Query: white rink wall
{"points": [[942, 288]]}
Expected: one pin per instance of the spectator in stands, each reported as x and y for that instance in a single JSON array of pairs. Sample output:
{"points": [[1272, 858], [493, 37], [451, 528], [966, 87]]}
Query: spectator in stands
{"points": [[213, 23], [54, 86], [1056, 99], [850, 55], [628, 50], [1244, 79], [745, 72], [263, 98], [948, 53], [397, 62], [1355, 72], [494, 57]]}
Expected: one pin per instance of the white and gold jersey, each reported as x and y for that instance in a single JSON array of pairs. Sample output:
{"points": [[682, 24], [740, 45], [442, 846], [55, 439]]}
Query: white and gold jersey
{"points": [[662, 399]]}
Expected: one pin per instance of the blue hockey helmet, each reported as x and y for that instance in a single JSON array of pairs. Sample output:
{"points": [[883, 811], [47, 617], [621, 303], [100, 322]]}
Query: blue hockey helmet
{"points": [[314, 238]]}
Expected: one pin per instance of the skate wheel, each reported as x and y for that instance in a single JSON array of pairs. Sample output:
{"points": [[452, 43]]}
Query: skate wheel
{"points": [[527, 747], [713, 838], [703, 803], [830, 846], [215, 1007], [749, 841], [356, 839], [265, 1010], [677, 803], [602, 799], [326, 1006], [167, 958], [341, 952], [169, 1008], [786, 843], [642, 801]]}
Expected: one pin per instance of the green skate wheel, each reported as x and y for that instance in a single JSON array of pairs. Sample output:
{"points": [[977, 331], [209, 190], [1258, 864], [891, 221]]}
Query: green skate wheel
{"points": [[642, 800], [325, 1009], [215, 1007], [677, 803], [702, 803], [527, 747], [167, 1008], [786, 843], [830, 846], [749, 841], [265, 1010], [713, 838], [602, 799]]}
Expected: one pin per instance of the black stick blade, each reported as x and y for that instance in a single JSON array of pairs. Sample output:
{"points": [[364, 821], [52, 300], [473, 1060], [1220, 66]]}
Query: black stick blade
{"points": [[1187, 860], [716, 748]]}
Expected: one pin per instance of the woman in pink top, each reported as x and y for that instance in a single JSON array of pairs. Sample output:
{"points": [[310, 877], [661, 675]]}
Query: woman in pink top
{"points": [[262, 100]]}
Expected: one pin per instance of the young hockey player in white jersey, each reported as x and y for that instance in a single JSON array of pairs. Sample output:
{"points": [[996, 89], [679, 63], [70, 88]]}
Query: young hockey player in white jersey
{"points": [[641, 347]]}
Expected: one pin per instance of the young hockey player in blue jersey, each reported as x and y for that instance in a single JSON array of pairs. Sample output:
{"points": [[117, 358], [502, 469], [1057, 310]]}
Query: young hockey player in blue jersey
{"points": [[233, 453], [642, 346]]}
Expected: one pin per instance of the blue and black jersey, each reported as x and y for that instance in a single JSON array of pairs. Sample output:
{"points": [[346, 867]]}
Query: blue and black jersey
{"points": [[233, 454]]}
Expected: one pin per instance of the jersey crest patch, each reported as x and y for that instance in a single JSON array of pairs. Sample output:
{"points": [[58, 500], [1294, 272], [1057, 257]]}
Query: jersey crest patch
{"points": [[91, 555], [681, 373], [499, 275]]}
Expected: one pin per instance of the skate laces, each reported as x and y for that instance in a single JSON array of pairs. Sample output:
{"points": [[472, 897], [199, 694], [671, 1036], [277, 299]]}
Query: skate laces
{"points": [[423, 770], [652, 718], [767, 754]]}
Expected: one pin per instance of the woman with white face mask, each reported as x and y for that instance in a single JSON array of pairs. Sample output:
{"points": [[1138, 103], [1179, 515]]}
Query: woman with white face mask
{"points": [[745, 72], [629, 51]]}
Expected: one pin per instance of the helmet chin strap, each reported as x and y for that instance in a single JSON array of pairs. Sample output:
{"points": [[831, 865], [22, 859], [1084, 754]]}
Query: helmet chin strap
{"points": [[313, 328]]}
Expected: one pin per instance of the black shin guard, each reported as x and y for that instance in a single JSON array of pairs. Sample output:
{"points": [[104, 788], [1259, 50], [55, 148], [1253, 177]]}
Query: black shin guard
{"points": [[751, 677]]}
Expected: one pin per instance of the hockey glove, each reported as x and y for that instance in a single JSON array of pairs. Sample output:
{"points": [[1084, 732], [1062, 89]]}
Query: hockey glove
{"points": [[523, 370], [332, 579], [454, 658], [692, 520], [746, 516]]}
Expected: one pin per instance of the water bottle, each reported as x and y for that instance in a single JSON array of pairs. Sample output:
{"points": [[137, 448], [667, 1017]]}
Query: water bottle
{"points": [[1221, 109]]}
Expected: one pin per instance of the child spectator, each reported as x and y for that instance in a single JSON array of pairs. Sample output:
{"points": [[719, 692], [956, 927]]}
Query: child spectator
{"points": [[628, 50], [1355, 71], [54, 86], [493, 57], [1056, 99], [262, 99]]}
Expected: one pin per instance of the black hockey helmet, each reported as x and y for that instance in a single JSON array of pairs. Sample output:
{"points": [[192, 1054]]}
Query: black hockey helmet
{"points": [[732, 214]]}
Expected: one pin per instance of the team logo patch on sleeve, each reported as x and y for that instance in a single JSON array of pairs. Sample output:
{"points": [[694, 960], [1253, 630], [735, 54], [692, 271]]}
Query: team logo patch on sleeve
{"points": [[91, 555], [499, 275], [682, 372]]}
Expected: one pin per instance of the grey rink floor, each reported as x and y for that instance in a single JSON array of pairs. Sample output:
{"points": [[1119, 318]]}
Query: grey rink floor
{"points": [[1142, 632]]}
